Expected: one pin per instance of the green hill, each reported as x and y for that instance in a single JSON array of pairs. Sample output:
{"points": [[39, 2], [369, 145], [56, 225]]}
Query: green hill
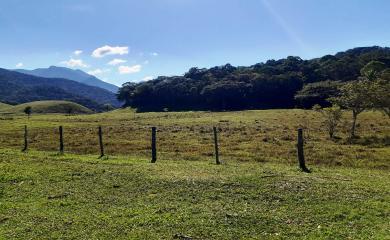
{"points": [[19, 88], [48, 107], [3, 105]]}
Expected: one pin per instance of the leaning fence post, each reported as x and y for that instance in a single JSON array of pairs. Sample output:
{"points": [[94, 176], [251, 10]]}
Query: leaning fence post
{"points": [[101, 142], [25, 139], [301, 155], [216, 146], [61, 140], [154, 149]]}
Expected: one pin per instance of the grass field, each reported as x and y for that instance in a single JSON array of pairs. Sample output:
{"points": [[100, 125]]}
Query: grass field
{"points": [[3, 105], [258, 193], [261, 136], [46, 107]]}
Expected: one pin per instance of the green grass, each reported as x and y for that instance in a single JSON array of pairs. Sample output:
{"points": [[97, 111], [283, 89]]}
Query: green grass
{"points": [[260, 136], [258, 193], [3, 105], [48, 196], [47, 107]]}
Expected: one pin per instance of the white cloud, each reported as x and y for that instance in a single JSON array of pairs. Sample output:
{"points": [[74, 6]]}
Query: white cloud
{"points": [[148, 78], [154, 54], [19, 65], [98, 71], [78, 52], [108, 50], [146, 62], [75, 63], [129, 69], [116, 61]]}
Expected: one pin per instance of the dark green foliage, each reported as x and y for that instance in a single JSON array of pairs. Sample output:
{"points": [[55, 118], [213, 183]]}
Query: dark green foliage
{"points": [[317, 93], [19, 88], [27, 111], [283, 83]]}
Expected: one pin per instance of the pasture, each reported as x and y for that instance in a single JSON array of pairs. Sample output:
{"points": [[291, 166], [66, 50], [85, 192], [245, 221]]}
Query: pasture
{"points": [[257, 193]]}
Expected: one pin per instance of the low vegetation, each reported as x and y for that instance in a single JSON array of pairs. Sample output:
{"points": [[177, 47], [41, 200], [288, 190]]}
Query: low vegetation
{"points": [[50, 196], [257, 193], [259, 136], [3, 105], [40, 107]]}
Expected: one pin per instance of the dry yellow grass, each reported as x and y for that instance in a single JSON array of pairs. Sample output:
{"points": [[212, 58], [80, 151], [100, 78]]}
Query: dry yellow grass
{"points": [[263, 136]]}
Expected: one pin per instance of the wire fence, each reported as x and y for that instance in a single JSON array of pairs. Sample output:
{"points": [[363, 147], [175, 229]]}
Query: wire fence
{"points": [[149, 142]]}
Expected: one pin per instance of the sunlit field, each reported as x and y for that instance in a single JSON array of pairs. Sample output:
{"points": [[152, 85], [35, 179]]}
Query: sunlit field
{"points": [[255, 136], [257, 193]]}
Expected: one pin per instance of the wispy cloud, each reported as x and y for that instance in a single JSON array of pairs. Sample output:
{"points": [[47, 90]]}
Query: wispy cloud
{"points": [[116, 61], [98, 71], [19, 65], [75, 63], [129, 69], [109, 50], [154, 54], [78, 52]]}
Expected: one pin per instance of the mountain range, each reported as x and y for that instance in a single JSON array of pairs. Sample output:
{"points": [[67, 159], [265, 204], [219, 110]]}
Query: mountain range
{"points": [[17, 88], [66, 73]]}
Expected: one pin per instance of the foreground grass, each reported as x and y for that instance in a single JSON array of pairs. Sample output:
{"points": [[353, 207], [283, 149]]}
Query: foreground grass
{"points": [[47, 196]]}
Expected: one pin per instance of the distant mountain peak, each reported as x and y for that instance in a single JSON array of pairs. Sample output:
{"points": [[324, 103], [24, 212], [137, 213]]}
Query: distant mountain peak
{"points": [[70, 74]]}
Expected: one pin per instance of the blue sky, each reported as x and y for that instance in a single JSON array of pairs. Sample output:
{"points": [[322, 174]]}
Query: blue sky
{"points": [[150, 38]]}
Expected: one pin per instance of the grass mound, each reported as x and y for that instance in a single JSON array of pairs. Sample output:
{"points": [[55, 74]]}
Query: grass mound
{"points": [[49, 107], [3, 105]]}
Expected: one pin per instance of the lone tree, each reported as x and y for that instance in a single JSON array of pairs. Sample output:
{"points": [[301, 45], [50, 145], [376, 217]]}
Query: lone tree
{"points": [[28, 110], [354, 96], [69, 110], [371, 91], [332, 116]]}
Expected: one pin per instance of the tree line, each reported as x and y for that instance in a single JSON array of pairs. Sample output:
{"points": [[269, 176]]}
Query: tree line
{"points": [[285, 83]]}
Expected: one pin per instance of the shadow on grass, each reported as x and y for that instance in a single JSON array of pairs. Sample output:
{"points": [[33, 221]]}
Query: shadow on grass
{"points": [[372, 141]]}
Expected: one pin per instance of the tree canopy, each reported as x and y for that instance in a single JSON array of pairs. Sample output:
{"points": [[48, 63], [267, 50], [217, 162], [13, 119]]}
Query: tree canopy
{"points": [[284, 83]]}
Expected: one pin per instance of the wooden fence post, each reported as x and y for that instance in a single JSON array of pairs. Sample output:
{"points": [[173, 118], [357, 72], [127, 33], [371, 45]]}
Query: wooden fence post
{"points": [[101, 142], [301, 155], [61, 140], [154, 148], [216, 146], [25, 148]]}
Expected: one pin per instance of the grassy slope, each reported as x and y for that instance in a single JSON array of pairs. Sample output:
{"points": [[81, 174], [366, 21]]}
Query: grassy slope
{"points": [[48, 107], [258, 193], [45, 196], [3, 105]]}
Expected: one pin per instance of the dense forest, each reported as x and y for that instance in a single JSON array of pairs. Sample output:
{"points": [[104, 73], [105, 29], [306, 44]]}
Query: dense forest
{"points": [[285, 83]]}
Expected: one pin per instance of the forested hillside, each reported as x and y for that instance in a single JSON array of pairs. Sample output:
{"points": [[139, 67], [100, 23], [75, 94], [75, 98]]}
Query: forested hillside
{"points": [[16, 88], [284, 83]]}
